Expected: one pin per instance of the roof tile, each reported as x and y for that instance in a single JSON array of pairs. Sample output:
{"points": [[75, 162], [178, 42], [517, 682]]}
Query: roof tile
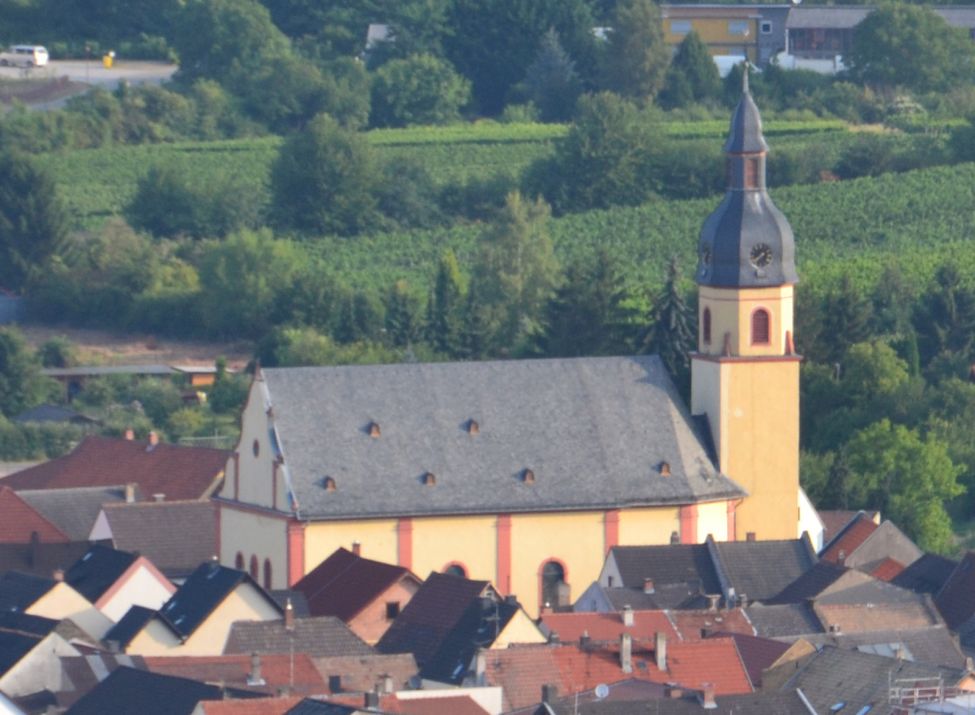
{"points": [[318, 637]]}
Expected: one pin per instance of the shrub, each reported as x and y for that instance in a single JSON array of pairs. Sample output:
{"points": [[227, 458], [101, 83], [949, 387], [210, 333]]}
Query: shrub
{"points": [[421, 89]]}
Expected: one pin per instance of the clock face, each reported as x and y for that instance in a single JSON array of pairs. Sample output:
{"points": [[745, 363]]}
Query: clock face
{"points": [[761, 255]]}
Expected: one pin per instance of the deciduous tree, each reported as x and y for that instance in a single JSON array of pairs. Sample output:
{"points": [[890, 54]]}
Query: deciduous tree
{"points": [[636, 57]]}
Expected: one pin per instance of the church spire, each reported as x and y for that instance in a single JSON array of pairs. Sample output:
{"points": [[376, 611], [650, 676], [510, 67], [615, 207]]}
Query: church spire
{"points": [[746, 242]]}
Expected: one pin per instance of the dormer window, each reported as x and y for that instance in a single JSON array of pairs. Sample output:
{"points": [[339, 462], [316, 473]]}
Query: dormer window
{"points": [[761, 324], [374, 430], [329, 484], [664, 468], [473, 427], [429, 479], [528, 476]]}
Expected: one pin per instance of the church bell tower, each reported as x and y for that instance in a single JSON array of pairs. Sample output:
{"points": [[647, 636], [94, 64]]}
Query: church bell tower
{"points": [[745, 373]]}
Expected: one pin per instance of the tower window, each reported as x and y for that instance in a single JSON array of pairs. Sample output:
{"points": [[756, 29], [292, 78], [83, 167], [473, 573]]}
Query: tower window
{"points": [[751, 173], [760, 327], [706, 326]]}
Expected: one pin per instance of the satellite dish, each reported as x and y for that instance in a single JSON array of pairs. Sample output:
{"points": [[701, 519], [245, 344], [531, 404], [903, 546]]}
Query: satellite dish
{"points": [[602, 690]]}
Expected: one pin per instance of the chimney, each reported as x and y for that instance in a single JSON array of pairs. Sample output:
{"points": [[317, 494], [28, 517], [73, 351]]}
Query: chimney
{"points": [[387, 684], [289, 615], [153, 438], [743, 600], [254, 677], [713, 599], [628, 616], [707, 697], [841, 557], [371, 700], [159, 497], [674, 692], [660, 651], [553, 638], [58, 574], [674, 537], [648, 585], [584, 639], [969, 665], [750, 536], [664, 469], [335, 683], [626, 653], [549, 694], [357, 548], [480, 666], [130, 434], [129, 493]]}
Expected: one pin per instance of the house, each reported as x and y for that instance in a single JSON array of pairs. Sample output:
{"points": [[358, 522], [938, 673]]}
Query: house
{"points": [[176, 536], [926, 575], [670, 576], [955, 601], [260, 673], [40, 559], [114, 581], [161, 471], [20, 523], [320, 637], [483, 467], [366, 673], [57, 414], [51, 598], [367, 595], [75, 510], [608, 627], [865, 545], [197, 619], [29, 649], [755, 32], [450, 620], [80, 674]]}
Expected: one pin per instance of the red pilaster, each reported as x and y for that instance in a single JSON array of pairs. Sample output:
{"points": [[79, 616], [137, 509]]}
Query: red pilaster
{"points": [[237, 476], [688, 524], [296, 551], [732, 521], [404, 542], [504, 553], [611, 529]]}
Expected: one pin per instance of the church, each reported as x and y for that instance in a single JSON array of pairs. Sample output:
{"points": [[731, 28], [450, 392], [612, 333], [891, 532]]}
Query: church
{"points": [[526, 472]]}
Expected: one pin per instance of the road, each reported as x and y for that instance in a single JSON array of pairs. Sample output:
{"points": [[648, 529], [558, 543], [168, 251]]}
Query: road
{"points": [[92, 73]]}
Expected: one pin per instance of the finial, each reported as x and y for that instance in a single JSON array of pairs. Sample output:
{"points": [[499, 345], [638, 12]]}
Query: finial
{"points": [[744, 77]]}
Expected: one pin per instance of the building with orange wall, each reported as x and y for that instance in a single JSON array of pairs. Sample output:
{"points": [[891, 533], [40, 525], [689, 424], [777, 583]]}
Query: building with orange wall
{"points": [[525, 473]]}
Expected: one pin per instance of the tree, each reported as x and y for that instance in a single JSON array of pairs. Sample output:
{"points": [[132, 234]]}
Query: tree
{"points": [[403, 324], [945, 318], [33, 222], [516, 272], [905, 476], [672, 333], [323, 180], [493, 41], [846, 316], [692, 75], [607, 159], [19, 378], [590, 313], [904, 45], [636, 56], [421, 89], [445, 309], [551, 81]]}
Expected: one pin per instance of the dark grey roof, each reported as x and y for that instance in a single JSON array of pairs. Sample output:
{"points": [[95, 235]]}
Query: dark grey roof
{"points": [[681, 596], [324, 636], [809, 584], [926, 575], [130, 624], [128, 690], [98, 370], [74, 510], [83, 672], [784, 621], [321, 707], [98, 570], [689, 704], [13, 647], [19, 590], [761, 569], [934, 645], [40, 559], [745, 134], [594, 432], [54, 413], [25, 623], [687, 566], [840, 17]]}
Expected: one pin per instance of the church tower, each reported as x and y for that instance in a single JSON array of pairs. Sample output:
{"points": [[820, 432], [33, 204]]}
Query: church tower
{"points": [[745, 373]]}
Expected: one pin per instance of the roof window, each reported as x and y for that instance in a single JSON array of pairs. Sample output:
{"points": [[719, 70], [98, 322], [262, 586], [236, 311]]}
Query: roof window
{"points": [[329, 484], [473, 427], [429, 479], [373, 430], [528, 476]]}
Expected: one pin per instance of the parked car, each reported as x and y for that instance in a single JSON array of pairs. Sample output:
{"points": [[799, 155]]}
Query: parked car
{"points": [[24, 56]]}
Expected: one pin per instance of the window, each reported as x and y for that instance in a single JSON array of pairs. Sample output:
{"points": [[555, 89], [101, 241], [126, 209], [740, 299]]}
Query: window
{"points": [[706, 326], [751, 173], [680, 27], [253, 568], [553, 583], [267, 574], [239, 561], [766, 28], [392, 610], [456, 570], [760, 327], [256, 447], [738, 28]]}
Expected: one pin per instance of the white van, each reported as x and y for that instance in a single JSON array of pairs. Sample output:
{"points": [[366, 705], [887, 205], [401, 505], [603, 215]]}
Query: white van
{"points": [[23, 56]]}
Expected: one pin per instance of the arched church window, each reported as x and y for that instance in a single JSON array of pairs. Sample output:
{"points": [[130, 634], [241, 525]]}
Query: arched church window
{"points": [[706, 326], [456, 570], [760, 327], [253, 568], [553, 583], [267, 574], [239, 561]]}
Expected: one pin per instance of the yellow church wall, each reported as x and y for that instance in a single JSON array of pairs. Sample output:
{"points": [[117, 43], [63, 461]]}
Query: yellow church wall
{"points": [[254, 534], [712, 519], [377, 537], [470, 541], [731, 313], [647, 526], [575, 540]]}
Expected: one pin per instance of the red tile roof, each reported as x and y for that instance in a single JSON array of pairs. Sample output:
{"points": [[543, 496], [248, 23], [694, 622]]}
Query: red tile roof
{"points": [[448, 705], [176, 471], [694, 625], [849, 539], [233, 670], [344, 584], [887, 570], [835, 519], [257, 706], [608, 626], [18, 520]]}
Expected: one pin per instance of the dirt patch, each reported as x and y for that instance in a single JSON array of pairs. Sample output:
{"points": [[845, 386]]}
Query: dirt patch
{"points": [[99, 347], [39, 91]]}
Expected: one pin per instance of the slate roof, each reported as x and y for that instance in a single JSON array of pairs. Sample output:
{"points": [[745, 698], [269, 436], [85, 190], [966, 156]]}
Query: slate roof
{"points": [[278, 671], [668, 595], [926, 575], [343, 584], [319, 637], [608, 626], [757, 654], [362, 672], [19, 590], [98, 570], [13, 647], [697, 624], [321, 707], [128, 690], [865, 617], [593, 431], [40, 559], [761, 569], [176, 471], [690, 704], [955, 598], [809, 584], [27, 624], [689, 564], [73, 511], [21, 521], [201, 594], [784, 621], [176, 536], [129, 626], [54, 413], [933, 645]]}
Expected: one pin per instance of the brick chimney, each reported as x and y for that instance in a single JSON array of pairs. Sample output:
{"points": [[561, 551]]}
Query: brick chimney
{"points": [[130, 434], [648, 585], [289, 615], [58, 574], [480, 666], [713, 599], [254, 677], [660, 651], [626, 653], [357, 548], [153, 438], [550, 693], [707, 697], [750, 536], [627, 614], [129, 493]]}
